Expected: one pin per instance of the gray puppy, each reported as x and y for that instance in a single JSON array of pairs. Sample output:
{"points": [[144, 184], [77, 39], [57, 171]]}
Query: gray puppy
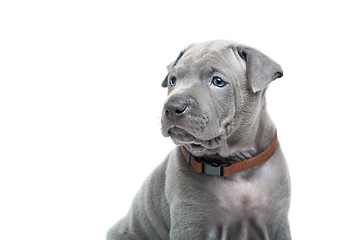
{"points": [[229, 180]]}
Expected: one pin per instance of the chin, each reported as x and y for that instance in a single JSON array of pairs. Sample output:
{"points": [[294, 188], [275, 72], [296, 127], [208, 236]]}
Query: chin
{"points": [[198, 146]]}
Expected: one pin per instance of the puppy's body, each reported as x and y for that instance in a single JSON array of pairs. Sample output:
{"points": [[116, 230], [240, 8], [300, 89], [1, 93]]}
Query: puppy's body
{"points": [[216, 122]]}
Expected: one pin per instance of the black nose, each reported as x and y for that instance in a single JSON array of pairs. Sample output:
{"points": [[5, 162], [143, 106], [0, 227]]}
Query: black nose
{"points": [[175, 108]]}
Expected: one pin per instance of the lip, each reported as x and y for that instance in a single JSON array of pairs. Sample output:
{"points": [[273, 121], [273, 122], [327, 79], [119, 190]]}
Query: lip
{"points": [[182, 136]]}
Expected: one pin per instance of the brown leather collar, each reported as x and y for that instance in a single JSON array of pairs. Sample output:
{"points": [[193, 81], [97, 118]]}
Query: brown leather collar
{"points": [[216, 169]]}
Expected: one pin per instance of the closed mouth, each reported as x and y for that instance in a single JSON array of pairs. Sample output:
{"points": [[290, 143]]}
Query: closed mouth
{"points": [[184, 137], [181, 135]]}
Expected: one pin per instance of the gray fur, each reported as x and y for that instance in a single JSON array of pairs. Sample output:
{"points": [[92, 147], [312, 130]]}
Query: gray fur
{"points": [[216, 125]]}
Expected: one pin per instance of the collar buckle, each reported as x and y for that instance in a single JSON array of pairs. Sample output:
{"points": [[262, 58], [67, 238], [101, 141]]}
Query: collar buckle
{"points": [[210, 169], [214, 169]]}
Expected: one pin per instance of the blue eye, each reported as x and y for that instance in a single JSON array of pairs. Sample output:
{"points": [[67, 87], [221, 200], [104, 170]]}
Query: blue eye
{"points": [[173, 81], [218, 82]]}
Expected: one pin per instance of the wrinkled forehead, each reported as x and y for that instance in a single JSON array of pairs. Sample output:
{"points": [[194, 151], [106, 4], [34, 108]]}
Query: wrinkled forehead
{"points": [[209, 54], [211, 46], [206, 50]]}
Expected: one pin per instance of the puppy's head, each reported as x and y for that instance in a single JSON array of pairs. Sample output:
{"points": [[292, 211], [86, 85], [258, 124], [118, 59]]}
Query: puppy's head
{"points": [[214, 89]]}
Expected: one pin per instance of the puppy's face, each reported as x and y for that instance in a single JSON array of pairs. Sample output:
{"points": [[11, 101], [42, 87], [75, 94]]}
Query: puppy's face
{"points": [[209, 97], [202, 97]]}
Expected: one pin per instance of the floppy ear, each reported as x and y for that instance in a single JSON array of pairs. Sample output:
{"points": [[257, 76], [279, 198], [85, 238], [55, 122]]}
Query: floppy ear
{"points": [[260, 69], [170, 66]]}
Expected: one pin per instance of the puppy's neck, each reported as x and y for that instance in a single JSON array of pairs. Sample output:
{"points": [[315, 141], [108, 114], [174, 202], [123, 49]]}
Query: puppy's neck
{"points": [[247, 142]]}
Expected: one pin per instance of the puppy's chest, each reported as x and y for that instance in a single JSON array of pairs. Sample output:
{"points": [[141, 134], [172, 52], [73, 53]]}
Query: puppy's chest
{"points": [[239, 196]]}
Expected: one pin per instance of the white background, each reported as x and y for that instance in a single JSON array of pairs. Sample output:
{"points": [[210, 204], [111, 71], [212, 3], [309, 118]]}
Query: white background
{"points": [[80, 105]]}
